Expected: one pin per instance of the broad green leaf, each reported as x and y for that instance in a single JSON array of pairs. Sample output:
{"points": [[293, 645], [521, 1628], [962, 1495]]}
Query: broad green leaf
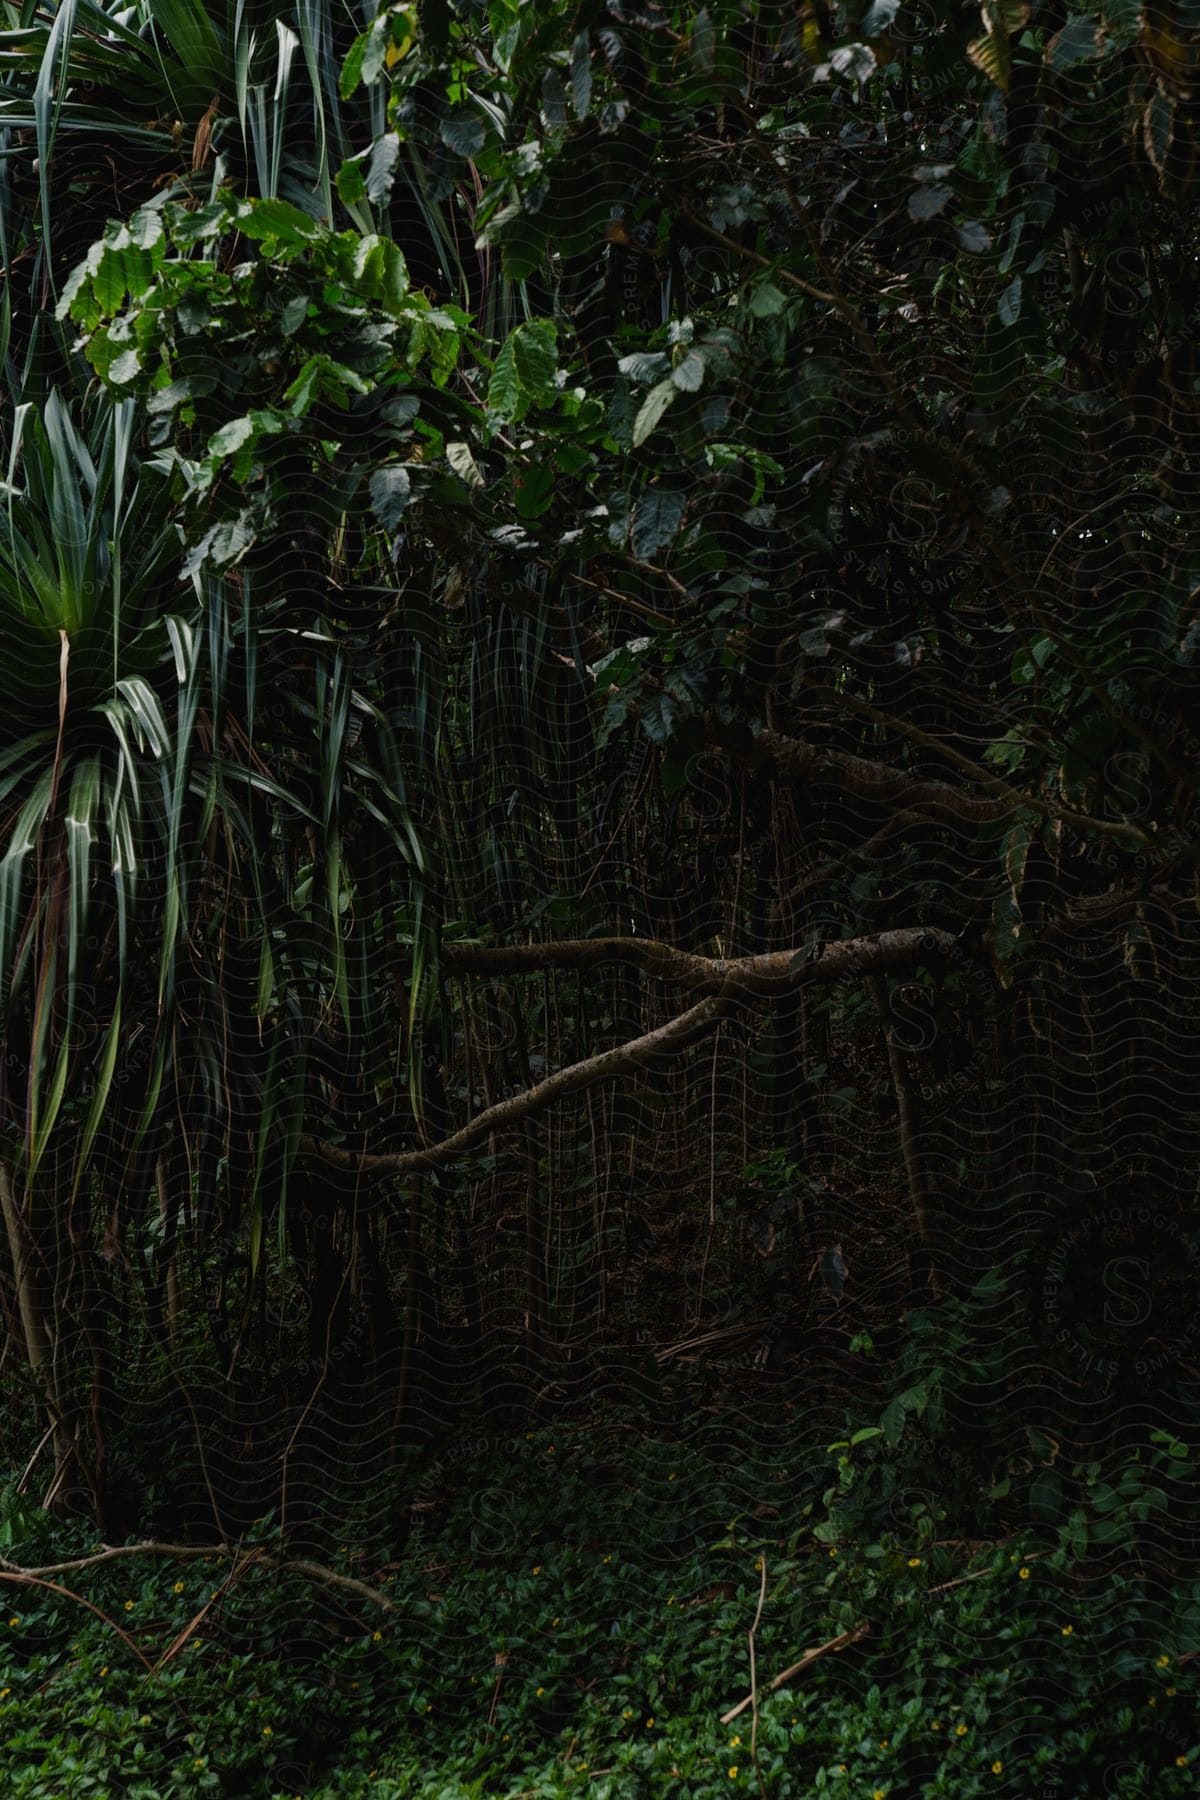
{"points": [[536, 350], [504, 396], [231, 436], [766, 300], [459, 456], [652, 409], [465, 134], [391, 490], [656, 520], [688, 373], [1008, 307], [581, 75]]}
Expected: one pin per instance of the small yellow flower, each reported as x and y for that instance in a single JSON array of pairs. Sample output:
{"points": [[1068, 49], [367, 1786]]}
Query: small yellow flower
{"points": [[1181, 1762], [1153, 1700], [1023, 1573], [1170, 1692], [178, 1587], [1067, 1630], [537, 1568], [935, 1725], [960, 1731], [129, 1606], [627, 1714], [377, 1637], [104, 1672], [832, 1551], [4, 1693], [671, 1476], [649, 1723], [267, 1732], [1162, 1662], [883, 1743], [16, 1619], [145, 1719], [997, 1768], [549, 1449], [734, 1742], [606, 1559], [879, 1794], [733, 1772], [198, 1763], [540, 1692], [914, 1562], [553, 1623]]}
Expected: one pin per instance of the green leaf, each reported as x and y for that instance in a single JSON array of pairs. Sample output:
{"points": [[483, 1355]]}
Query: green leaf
{"points": [[1077, 42], [656, 521], [652, 409], [381, 167], [1046, 1494], [892, 1422], [928, 200], [992, 54], [365, 60], [391, 491], [231, 436], [1008, 307], [535, 346], [535, 491], [463, 463], [277, 222], [688, 374], [350, 183], [504, 395], [465, 134], [766, 300], [581, 75], [974, 237], [702, 42]]}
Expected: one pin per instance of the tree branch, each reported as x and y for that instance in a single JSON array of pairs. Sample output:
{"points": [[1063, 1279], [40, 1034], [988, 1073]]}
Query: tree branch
{"points": [[734, 978]]}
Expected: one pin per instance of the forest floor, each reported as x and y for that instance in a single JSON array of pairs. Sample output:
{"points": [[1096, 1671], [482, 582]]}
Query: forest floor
{"points": [[598, 1610]]}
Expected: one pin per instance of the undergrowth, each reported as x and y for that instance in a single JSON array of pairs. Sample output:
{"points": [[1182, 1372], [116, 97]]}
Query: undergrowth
{"points": [[573, 1616]]}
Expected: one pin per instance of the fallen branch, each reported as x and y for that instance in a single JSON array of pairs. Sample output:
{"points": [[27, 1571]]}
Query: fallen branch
{"points": [[22, 1578], [810, 1656], [264, 1559]]}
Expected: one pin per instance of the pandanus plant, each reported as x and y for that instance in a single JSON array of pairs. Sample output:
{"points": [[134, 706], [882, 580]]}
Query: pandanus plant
{"points": [[98, 686]]}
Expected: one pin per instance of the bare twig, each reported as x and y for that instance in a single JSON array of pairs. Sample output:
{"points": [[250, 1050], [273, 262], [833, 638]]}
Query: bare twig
{"points": [[22, 1579], [810, 1656], [264, 1559], [762, 1594]]}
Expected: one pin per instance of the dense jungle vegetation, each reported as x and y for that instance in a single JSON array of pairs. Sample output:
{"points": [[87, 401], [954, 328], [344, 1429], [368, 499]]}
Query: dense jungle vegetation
{"points": [[599, 953]]}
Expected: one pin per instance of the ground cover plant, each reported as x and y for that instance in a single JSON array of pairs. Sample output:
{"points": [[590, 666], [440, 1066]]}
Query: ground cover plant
{"points": [[555, 1637]]}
